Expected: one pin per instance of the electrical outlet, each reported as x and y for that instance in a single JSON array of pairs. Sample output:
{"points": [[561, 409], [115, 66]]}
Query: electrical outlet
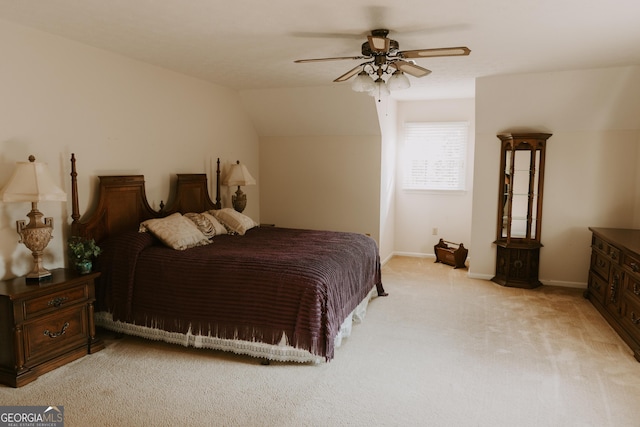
{"points": [[434, 231]]}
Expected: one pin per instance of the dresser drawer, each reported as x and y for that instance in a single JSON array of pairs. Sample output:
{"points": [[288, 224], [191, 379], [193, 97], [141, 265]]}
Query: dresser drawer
{"points": [[597, 287], [601, 264], [53, 301], [631, 319], [632, 288], [609, 251], [632, 263], [55, 334]]}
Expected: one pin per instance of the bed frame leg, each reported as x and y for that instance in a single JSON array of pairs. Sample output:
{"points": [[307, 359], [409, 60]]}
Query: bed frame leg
{"points": [[381, 291], [265, 362]]}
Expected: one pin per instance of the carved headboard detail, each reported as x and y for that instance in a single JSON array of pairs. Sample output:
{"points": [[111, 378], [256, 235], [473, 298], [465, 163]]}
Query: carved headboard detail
{"points": [[123, 205]]}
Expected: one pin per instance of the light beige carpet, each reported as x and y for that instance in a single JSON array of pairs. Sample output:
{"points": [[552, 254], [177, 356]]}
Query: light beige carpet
{"points": [[440, 350]]}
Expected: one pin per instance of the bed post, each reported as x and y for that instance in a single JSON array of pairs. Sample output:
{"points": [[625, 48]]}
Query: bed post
{"points": [[75, 215], [218, 204]]}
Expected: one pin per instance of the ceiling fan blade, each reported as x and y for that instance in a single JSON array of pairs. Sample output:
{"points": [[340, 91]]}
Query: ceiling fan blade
{"points": [[349, 74], [338, 58], [430, 53], [411, 68]]}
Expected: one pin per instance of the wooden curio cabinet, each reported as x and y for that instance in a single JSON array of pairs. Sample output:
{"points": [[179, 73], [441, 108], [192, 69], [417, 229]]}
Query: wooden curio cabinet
{"points": [[520, 209]]}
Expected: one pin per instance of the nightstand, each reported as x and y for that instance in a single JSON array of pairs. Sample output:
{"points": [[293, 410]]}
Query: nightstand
{"points": [[45, 325]]}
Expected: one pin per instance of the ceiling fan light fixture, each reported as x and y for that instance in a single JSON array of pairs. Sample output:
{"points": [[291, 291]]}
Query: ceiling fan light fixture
{"points": [[398, 81], [380, 89], [363, 82]]}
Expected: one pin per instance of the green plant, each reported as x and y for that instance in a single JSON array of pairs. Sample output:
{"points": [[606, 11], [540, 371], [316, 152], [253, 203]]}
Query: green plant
{"points": [[81, 249]]}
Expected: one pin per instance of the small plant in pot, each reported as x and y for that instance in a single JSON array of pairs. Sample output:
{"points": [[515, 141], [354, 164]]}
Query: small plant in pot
{"points": [[82, 252]]}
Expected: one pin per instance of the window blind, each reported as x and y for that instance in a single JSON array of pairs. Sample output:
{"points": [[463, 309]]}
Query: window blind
{"points": [[435, 155]]}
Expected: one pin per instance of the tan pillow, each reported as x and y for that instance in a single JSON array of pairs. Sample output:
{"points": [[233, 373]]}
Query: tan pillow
{"points": [[175, 231], [234, 221]]}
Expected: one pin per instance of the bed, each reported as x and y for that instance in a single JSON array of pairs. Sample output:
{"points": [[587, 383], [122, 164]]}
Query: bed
{"points": [[277, 294]]}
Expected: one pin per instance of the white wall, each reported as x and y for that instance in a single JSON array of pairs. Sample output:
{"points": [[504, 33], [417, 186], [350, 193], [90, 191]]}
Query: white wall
{"points": [[118, 116], [319, 158], [419, 212], [387, 116], [591, 174]]}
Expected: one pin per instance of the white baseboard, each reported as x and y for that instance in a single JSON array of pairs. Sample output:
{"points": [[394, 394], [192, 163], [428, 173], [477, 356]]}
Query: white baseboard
{"points": [[576, 285], [480, 276], [413, 254]]}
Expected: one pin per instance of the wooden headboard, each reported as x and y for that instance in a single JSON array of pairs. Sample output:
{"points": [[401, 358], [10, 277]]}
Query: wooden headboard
{"points": [[122, 202]]}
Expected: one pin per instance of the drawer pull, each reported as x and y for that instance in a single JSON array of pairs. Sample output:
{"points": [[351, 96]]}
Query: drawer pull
{"points": [[635, 267], [57, 334], [57, 302], [614, 255], [634, 319], [636, 289], [601, 263]]}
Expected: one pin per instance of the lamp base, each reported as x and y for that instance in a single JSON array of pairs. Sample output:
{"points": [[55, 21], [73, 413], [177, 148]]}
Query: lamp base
{"points": [[239, 200], [36, 236]]}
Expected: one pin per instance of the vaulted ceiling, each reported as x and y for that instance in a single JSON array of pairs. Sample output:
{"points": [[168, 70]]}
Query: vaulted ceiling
{"points": [[252, 44]]}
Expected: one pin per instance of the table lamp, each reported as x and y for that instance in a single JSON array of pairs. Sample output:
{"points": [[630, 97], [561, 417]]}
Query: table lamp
{"points": [[239, 175], [32, 182]]}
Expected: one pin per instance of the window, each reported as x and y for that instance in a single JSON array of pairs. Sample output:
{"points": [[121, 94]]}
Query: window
{"points": [[435, 156]]}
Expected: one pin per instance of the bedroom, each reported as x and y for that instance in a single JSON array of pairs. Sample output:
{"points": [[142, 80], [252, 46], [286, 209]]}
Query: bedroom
{"points": [[596, 105], [123, 116]]}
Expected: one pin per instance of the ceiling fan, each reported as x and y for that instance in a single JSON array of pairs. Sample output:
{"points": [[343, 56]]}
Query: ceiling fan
{"points": [[382, 56]]}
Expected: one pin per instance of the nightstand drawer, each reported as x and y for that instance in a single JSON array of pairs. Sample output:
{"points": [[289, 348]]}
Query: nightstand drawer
{"points": [[55, 334], [53, 301]]}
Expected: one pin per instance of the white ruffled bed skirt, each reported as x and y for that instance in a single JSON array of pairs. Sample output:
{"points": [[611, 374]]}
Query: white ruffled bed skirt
{"points": [[281, 352]]}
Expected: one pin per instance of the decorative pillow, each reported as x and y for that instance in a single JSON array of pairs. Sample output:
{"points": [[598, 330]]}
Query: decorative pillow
{"points": [[203, 223], [175, 231], [207, 224], [219, 228], [235, 222]]}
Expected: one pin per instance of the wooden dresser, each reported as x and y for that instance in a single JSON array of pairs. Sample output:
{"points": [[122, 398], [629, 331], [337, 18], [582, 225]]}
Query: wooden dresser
{"points": [[45, 325], [614, 281]]}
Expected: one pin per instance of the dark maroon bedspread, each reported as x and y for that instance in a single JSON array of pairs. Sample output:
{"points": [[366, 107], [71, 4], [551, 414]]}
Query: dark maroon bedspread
{"points": [[255, 287]]}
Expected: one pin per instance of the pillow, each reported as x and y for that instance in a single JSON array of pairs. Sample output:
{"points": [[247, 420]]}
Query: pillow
{"points": [[207, 224], [235, 222], [175, 231], [219, 228]]}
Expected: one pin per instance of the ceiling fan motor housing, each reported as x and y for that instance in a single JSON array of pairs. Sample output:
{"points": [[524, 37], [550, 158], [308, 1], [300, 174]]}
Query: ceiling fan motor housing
{"points": [[367, 51]]}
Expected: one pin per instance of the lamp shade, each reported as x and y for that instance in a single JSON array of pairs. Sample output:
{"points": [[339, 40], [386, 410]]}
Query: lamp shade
{"points": [[363, 83], [398, 81], [32, 182], [239, 175]]}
